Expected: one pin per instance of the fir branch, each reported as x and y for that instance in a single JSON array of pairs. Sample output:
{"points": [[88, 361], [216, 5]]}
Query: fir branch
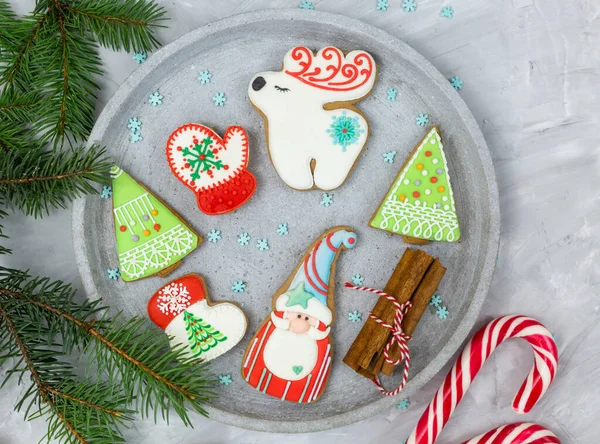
{"points": [[136, 359], [16, 106], [16, 70], [34, 180], [78, 411], [120, 24], [15, 136], [8, 21]]}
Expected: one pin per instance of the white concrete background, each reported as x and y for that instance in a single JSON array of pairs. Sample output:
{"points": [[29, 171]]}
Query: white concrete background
{"points": [[531, 77]]}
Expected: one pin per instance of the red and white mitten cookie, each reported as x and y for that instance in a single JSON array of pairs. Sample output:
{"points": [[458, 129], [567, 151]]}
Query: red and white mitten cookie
{"points": [[183, 310], [214, 168]]}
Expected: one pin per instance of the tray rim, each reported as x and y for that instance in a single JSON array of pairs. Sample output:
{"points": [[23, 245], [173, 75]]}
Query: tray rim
{"points": [[489, 263]]}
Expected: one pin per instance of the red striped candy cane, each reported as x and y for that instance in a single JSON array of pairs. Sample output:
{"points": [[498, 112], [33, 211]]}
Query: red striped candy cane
{"points": [[472, 359], [520, 433]]}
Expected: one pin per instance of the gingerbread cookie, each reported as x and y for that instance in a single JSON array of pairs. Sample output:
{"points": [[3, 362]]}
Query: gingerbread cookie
{"points": [[151, 238], [204, 329], [420, 203], [213, 168], [290, 355], [314, 134]]}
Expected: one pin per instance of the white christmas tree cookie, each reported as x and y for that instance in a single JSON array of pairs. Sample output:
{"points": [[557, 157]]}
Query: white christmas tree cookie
{"points": [[206, 330], [290, 355], [151, 238], [420, 203], [311, 146]]}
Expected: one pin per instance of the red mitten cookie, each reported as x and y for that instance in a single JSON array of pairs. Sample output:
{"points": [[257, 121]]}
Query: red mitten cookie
{"points": [[214, 168]]}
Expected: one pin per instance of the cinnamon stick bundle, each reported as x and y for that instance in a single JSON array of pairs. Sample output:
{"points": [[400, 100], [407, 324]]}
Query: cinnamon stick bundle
{"points": [[415, 278]]}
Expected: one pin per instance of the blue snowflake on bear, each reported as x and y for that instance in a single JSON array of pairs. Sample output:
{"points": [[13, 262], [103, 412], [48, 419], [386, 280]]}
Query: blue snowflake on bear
{"points": [[345, 130]]}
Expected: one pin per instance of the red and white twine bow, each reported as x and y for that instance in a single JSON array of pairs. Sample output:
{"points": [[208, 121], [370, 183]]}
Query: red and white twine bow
{"points": [[398, 337]]}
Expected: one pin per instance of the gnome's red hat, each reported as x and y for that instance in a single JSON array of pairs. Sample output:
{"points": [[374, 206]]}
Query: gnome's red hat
{"points": [[214, 168], [174, 297]]}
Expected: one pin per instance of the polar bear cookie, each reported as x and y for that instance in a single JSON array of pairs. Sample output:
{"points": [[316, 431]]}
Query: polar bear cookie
{"points": [[314, 134]]}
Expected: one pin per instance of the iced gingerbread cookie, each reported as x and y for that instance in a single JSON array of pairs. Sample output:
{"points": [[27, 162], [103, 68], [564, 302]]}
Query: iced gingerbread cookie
{"points": [[205, 330], [314, 134], [420, 203], [151, 238], [213, 168], [290, 355]]}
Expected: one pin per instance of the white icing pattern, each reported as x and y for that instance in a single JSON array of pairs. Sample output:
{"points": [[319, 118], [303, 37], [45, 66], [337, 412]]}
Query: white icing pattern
{"points": [[156, 252], [300, 130], [173, 299]]}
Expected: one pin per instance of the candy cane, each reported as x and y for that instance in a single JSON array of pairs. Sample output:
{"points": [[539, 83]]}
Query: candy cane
{"points": [[472, 359], [520, 433]]}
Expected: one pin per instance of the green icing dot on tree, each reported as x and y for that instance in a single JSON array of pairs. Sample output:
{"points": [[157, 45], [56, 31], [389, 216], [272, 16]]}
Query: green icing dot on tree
{"points": [[201, 336], [420, 202]]}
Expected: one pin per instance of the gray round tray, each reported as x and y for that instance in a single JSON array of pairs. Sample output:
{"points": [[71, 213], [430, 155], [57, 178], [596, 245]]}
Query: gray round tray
{"points": [[233, 50]]}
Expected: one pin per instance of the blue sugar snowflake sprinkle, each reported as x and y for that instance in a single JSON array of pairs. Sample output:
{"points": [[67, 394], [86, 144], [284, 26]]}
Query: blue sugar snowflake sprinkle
{"points": [[106, 192], [327, 199], [155, 99], [389, 157], [355, 316], [225, 379], [409, 5], [442, 312], [282, 229], [262, 244], [214, 236], [204, 76], [456, 83], [345, 130], [357, 279], [243, 239], [136, 137], [305, 4], [422, 119], [447, 12], [382, 5], [238, 287], [391, 94], [404, 404], [134, 124], [219, 99], [113, 273], [140, 56], [435, 300]]}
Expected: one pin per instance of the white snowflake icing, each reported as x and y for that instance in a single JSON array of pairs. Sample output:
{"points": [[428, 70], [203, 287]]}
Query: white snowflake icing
{"points": [[173, 299]]}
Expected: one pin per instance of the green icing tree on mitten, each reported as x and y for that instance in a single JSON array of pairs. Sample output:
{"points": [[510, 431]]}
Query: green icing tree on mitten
{"points": [[150, 236], [420, 203], [201, 336]]}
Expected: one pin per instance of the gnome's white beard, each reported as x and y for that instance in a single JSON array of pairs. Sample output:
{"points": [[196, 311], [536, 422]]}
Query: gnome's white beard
{"points": [[286, 351]]}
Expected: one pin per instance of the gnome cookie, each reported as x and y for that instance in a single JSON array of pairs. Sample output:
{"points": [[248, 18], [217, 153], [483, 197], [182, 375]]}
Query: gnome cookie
{"points": [[420, 203], [151, 238], [314, 133], [213, 168], [290, 355], [206, 330]]}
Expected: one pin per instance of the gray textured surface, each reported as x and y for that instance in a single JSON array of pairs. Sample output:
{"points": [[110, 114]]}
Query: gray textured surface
{"points": [[421, 88], [531, 72]]}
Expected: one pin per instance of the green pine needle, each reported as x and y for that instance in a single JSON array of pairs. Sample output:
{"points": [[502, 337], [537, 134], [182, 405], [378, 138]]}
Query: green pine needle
{"points": [[127, 25], [53, 53], [133, 366], [34, 180]]}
